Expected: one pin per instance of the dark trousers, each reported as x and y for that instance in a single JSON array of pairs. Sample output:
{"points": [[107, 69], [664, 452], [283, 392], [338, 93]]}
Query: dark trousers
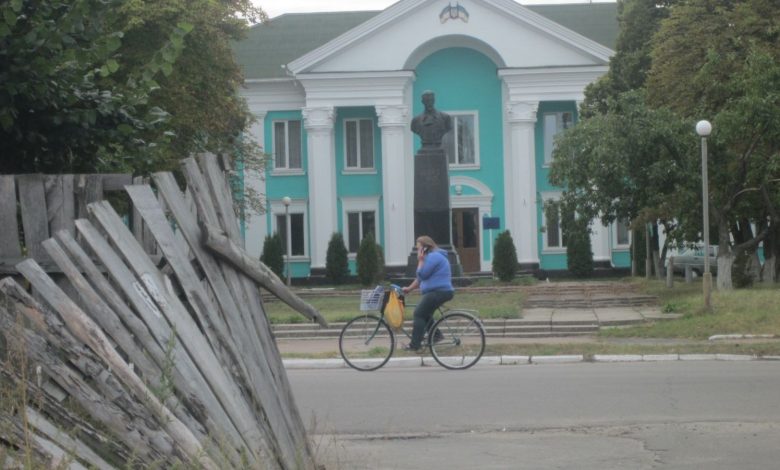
{"points": [[423, 313]]}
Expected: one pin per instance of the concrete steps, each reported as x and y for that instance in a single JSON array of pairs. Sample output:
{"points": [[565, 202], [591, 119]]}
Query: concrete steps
{"points": [[493, 329]]}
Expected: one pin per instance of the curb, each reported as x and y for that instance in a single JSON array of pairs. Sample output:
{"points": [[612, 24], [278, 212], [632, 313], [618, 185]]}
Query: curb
{"points": [[427, 361]]}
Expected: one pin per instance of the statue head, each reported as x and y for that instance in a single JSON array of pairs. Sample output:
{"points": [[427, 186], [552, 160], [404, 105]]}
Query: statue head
{"points": [[428, 99]]}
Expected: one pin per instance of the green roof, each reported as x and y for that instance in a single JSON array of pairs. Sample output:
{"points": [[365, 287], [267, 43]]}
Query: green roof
{"points": [[268, 46]]}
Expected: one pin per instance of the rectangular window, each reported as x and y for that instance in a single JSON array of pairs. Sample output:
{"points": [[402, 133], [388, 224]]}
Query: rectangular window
{"points": [[359, 224], [553, 124], [287, 145], [622, 233], [359, 144], [297, 233], [461, 142], [553, 232]]}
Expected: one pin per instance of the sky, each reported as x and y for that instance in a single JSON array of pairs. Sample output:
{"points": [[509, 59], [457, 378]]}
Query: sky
{"points": [[277, 7]]}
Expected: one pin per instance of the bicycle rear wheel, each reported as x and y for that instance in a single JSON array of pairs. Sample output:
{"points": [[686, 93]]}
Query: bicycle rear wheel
{"points": [[366, 343], [460, 340]]}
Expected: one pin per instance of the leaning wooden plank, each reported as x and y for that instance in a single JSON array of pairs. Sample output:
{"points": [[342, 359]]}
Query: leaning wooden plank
{"points": [[187, 331], [56, 351], [145, 202], [273, 387], [251, 306], [188, 379], [87, 331], [249, 354], [32, 200], [48, 429], [43, 453], [102, 314], [216, 240], [9, 235]]}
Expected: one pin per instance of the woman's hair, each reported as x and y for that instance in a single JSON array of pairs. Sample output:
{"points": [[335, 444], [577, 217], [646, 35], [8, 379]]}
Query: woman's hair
{"points": [[425, 240]]}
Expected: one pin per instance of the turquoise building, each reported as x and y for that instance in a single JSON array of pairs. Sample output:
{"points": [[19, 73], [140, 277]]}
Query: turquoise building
{"points": [[334, 94]]}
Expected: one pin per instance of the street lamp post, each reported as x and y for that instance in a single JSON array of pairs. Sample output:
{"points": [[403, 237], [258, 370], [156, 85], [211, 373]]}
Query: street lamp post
{"points": [[286, 201], [704, 128]]}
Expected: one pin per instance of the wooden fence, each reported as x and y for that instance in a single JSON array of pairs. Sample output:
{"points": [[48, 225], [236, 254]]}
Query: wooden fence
{"points": [[172, 361]]}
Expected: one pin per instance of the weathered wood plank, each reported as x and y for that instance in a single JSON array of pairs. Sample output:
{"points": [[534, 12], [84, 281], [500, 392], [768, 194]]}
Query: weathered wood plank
{"points": [[249, 354], [186, 330], [214, 199], [186, 375], [147, 205], [64, 441], [87, 331], [32, 199], [102, 314], [9, 235], [60, 201], [216, 240], [49, 344], [89, 188]]}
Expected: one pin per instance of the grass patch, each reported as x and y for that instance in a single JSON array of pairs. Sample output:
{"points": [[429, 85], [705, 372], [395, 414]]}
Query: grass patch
{"points": [[501, 304], [739, 311]]}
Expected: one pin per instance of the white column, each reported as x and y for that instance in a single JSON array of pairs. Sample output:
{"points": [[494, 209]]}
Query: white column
{"points": [[256, 227], [393, 121], [322, 181], [599, 240], [520, 180]]}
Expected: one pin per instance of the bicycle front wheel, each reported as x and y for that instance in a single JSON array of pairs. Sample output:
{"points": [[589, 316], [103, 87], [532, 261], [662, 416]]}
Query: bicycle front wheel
{"points": [[460, 340], [366, 343]]}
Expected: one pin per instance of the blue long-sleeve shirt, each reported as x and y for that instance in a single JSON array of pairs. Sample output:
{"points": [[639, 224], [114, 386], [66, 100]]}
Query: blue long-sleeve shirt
{"points": [[435, 273]]}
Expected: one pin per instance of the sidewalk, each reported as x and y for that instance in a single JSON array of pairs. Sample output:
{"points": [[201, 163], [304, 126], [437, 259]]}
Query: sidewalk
{"points": [[321, 351]]}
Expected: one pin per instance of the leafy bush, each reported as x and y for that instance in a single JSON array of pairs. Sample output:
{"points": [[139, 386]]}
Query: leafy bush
{"points": [[504, 257], [336, 261], [273, 254], [576, 237], [368, 268]]}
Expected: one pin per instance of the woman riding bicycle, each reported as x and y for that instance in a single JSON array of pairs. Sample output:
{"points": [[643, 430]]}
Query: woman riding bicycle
{"points": [[434, 277]]}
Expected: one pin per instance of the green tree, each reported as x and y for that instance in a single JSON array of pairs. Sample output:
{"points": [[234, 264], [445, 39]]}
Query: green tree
{"points": [[504, 257], [109, 85], [630, 182], [273, 254], [720, 60], [367, 261], [337, 260], [61, 106]]}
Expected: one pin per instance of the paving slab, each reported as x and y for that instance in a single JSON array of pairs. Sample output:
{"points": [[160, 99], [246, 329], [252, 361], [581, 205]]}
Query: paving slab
{"points": [[537, 314], [617, 315], [578, 315]]}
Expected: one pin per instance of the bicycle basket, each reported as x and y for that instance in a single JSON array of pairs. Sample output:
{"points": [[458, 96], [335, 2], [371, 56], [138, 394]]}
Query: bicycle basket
{"points": [[371, 299]]}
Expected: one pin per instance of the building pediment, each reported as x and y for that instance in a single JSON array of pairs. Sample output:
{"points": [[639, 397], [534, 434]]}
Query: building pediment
{"points": [[404, 34]]}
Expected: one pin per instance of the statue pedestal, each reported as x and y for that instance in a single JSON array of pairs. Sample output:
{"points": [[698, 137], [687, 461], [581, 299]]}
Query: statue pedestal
{"points": [[432, 205]]}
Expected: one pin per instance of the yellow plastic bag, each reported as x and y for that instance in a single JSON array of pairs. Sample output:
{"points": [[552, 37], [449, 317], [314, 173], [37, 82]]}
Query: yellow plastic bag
{"points": [[394, 310]]}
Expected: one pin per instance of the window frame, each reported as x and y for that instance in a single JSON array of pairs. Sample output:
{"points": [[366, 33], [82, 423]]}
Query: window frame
{"points": [[455, 115], [549, 147], [359, 204], [545, 247], [359, 168], [297, 206], [286, 169], [617, 245]]}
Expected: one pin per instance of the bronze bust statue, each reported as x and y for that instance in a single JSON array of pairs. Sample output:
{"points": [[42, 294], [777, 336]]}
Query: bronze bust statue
{"points": [[431, 125]]}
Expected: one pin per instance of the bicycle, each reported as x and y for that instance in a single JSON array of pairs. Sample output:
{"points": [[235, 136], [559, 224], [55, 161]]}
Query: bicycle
{"points": [[367, 341]]}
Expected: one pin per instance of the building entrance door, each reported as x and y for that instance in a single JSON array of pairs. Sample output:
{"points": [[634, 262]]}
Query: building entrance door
{"points": [[465, 238]]}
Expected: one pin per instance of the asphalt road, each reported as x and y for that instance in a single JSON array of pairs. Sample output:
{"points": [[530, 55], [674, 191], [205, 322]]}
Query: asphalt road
{"points": [[676, 415]]}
